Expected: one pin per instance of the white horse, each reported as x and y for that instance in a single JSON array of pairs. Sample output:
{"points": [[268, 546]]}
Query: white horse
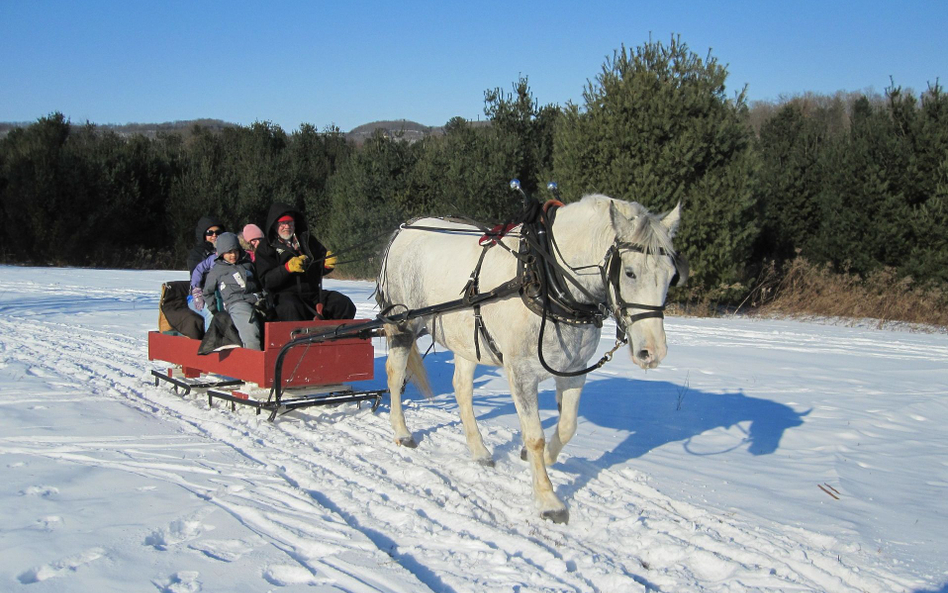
{"points": [[423, 267]]}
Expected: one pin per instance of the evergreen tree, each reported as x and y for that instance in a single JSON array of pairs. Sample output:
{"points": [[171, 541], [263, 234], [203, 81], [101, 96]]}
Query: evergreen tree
{"points": [[35, 183], [528, 127], [205, 186], [657, 128], [466, 172], [314, 158], [881, 182], [790, 179], [366, 193], [926, 180], [260, 166]]}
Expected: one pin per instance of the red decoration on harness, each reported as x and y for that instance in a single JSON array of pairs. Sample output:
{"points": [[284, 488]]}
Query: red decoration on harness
{"points": [[498, 232]]}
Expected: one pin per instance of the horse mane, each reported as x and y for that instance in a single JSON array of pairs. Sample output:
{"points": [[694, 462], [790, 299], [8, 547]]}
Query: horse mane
{"points": [[649, 232]]}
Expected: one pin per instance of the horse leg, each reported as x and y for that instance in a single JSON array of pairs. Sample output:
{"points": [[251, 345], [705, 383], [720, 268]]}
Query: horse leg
{"points": [[399, 349], [524, 392], [567, 398], [464, 394]]}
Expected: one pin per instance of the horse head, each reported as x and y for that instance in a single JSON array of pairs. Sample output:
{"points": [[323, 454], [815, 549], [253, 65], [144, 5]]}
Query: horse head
{"points": [[642, 266]]}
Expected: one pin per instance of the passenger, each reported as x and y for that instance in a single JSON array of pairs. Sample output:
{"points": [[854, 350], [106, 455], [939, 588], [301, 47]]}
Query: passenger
{"points": [[253, 235], [233, 275], [291, 265], [206, 232]]}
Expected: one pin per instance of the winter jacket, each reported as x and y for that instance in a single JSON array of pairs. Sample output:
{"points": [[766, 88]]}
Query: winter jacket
{"points": [[174, 306], [272, 255], [199, 275], [202, 247], [236, 282]]}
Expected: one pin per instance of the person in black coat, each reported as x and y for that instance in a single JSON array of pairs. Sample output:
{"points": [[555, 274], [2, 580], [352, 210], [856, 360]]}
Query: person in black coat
{"points": [[291, 265], [206, 232]]}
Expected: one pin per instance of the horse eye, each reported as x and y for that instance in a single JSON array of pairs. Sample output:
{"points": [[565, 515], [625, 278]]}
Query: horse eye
{"points": [[630, 274]]}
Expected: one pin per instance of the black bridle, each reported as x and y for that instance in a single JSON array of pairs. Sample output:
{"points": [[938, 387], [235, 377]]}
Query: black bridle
{"points": [[617, 305], [614, 304]]}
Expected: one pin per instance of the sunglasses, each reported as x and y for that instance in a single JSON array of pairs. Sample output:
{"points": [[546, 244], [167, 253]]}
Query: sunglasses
{"points": [[213, 232]]}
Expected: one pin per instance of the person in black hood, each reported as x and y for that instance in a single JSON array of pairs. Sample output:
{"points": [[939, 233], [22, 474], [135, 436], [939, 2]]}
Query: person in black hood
{"points": [[206, 232], [291, 264]]}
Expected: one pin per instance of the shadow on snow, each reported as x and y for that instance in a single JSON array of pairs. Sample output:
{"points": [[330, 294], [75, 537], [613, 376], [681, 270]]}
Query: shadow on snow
{"points": [[654, 413]]}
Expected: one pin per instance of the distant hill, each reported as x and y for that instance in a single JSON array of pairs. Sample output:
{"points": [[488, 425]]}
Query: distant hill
{"points": [[181, 126], [407, 130], [6, 126], [148, 130]]}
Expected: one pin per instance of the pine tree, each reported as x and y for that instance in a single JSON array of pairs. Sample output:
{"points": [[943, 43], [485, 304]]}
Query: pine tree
{"points": [[790, 180], [365, 196], [657, 128]]}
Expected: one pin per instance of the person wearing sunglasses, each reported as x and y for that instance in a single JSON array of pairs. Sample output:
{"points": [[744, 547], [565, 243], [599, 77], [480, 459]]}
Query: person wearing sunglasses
{"points": [[206, 232], [200, 260]]}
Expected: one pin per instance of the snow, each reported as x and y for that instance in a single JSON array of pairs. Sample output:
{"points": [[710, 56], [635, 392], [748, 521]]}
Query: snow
{"points": [[763, 455]]}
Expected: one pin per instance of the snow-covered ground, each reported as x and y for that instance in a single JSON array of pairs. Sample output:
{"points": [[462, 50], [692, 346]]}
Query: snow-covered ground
{"points": [[761, 456]]}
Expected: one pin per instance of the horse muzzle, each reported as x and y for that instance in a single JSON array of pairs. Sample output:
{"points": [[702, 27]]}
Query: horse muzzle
{"points": [[648, 348]]}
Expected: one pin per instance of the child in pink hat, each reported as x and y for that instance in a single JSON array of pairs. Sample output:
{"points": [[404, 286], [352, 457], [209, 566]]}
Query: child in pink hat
{"points": [[253, 235]]}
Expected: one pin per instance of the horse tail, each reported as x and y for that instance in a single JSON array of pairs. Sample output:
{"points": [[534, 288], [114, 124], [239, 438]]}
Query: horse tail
{"points": [[415, 367], [417, 372]]}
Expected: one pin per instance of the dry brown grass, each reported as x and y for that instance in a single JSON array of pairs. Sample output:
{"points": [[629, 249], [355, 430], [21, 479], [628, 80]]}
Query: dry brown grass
{"points": [[807, 289]]}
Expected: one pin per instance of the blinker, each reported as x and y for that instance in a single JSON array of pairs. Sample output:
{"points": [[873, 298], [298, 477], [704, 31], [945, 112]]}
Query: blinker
{"points": [[681, 271]]}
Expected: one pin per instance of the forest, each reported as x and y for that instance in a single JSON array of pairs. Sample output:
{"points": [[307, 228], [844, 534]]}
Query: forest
{"points": [[822, 192]]}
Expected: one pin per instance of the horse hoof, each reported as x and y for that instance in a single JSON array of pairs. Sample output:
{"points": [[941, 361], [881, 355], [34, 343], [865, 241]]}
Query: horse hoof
{"points": [[486, 462], [523, 453], [558, 516], [406, 442]]}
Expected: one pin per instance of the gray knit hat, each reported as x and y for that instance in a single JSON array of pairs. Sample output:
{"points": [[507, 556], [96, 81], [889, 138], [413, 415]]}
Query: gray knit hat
{"points": [[227, 242]]}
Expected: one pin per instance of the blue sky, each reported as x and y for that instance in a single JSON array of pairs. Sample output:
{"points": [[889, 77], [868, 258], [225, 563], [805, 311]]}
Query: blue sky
{"points": [[353, 62]]}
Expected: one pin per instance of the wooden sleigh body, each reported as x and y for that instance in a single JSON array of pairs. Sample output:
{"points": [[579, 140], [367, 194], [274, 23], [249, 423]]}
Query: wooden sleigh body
{"points": [[312, 375]]}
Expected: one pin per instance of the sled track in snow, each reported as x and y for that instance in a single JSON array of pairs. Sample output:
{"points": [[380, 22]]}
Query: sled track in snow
{"points": [[431, 509]]}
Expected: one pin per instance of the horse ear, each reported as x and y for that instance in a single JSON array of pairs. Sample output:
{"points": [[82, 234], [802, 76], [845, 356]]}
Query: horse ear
{"points": [[670, 221], [620, 224]]}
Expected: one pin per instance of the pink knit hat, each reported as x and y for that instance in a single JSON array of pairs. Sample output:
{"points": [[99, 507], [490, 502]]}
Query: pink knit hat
{"points": [[252, 231]]}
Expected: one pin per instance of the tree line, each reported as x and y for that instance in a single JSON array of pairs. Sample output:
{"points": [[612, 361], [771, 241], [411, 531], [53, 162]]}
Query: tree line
{"points": [[855, 182]]}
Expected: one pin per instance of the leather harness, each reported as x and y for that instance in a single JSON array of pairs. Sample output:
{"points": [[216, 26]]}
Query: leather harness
{"points": [[542, 283]]}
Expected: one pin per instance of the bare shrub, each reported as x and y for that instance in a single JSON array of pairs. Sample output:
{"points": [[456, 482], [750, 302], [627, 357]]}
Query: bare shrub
{"points": [[808, 289]]}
